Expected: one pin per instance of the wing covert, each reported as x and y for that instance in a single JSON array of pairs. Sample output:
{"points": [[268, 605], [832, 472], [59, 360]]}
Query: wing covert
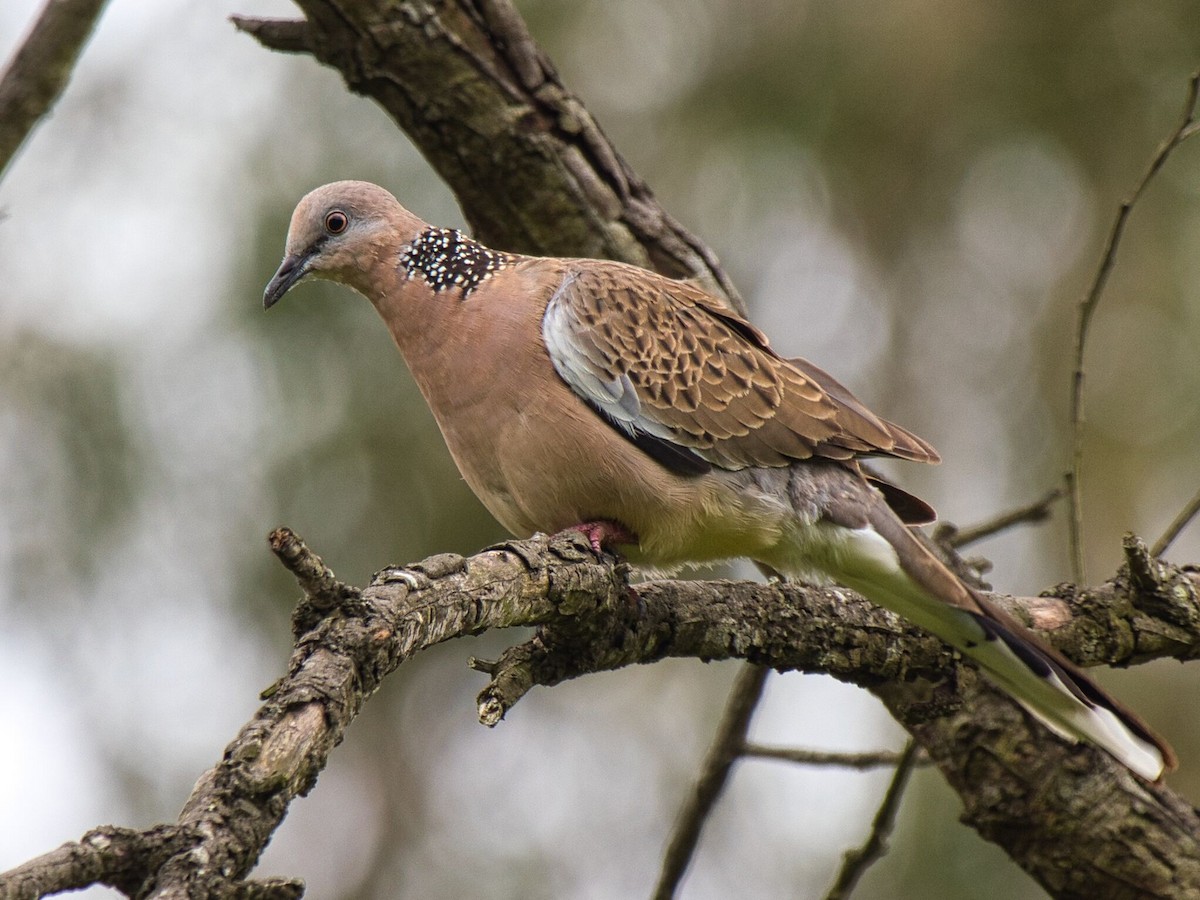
{"points": [[662, 360]]}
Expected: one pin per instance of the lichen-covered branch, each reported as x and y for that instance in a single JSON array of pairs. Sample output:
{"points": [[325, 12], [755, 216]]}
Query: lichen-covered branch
{"points": [[1070, 816], [1079, 822], [1135, 617], [116, 857], [238, 804]]}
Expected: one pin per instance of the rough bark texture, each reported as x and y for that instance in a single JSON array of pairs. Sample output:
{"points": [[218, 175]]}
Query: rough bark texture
{"points": [[530, 167], [1080, 822]]}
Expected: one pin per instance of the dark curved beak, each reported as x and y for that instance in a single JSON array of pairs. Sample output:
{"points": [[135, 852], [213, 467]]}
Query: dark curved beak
{"points": [[290, 271]]}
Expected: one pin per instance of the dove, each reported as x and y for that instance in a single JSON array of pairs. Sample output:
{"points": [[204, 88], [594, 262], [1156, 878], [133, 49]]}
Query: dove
{"points": [[643, 412]]}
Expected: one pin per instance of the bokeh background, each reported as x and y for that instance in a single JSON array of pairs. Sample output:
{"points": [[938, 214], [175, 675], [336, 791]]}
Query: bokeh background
{"points": [[911, 194]]}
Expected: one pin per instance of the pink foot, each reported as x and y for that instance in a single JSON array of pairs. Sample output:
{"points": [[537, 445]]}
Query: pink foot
{"points": [[604, 533]]}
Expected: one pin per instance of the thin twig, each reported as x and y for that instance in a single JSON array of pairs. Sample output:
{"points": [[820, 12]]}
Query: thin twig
{"points": [[38, 71], [316, 579], [1181, 522], [858, 861], [1087, 307], [322, 590], [725, 749], [284, 35], [862, 761], [1037, 511]]}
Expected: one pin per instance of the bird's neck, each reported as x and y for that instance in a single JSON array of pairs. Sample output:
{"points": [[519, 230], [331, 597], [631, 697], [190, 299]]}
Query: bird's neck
{"points": [[447, 260], [433, 290]]}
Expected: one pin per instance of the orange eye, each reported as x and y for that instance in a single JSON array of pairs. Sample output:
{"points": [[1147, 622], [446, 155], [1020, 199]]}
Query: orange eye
{"points": [[336, 222]]}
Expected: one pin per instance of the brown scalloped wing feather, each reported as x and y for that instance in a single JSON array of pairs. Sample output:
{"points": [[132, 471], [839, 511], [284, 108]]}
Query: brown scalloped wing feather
{"points": [[711, 377]]}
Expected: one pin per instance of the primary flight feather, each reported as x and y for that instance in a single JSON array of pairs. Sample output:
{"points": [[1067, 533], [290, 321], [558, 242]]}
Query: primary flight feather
{"points": [[594, 394]]}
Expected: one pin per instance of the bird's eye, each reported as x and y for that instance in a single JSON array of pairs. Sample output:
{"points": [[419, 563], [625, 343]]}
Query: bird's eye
{"points": [[336, 222]]}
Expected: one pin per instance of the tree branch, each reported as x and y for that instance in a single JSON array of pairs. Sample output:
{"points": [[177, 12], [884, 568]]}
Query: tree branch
{"points": [[1022, 788], [1181, 521], [37, 73], [956, 538], [862, 761], [284, 35], [117, 857], [529, 165]]}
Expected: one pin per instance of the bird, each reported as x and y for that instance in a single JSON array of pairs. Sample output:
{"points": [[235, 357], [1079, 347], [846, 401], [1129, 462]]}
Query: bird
{"points": [[642, 411]]}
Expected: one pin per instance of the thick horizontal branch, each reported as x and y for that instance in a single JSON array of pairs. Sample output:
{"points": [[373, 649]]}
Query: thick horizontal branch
{"points": [[1053, 806], [589, 621], [1148, 611]]}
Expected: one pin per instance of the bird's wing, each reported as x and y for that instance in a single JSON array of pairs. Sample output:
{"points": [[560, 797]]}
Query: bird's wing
{"points": [[696, 385]]}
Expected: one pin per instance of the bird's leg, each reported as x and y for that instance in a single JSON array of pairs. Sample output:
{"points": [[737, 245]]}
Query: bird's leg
{"points": [[601, 535], [604, 533]]}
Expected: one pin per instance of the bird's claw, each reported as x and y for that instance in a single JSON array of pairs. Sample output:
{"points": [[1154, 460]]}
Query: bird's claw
{"points": [[603, 533]]}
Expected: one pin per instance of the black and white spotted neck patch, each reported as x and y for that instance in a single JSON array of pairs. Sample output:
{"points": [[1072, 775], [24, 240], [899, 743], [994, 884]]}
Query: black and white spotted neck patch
{"points": [[446, 258]]}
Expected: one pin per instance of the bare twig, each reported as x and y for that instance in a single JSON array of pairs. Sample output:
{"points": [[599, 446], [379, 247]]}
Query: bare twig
{"points": [[726, 747], [316, 579], [38, 72], [1087, 307], [322, 590], [1181, 522], [858, 861], [1037, 511], [861, 761], [284, 35]]}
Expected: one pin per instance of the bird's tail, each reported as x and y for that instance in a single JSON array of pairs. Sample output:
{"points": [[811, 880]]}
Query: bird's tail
{"points": [[893, 568]]}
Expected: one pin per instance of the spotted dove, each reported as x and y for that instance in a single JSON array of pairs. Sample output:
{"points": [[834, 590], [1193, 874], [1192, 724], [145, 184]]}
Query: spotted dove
{"points": [[582, 393]]}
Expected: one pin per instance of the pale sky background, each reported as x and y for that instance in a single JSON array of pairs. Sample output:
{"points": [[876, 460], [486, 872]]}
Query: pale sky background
{"points": [[155, 424]]}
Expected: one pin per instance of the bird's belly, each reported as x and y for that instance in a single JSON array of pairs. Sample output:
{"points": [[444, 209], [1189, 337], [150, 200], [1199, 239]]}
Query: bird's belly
{"points": [[546, 471], [542, 460]]}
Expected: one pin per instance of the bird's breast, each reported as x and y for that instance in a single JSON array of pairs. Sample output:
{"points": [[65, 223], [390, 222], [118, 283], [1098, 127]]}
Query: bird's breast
{"points": [[537, 456]]}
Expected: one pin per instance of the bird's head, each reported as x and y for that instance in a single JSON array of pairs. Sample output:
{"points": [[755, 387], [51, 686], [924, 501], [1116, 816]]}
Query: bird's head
{"points": [[338, 232]]}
